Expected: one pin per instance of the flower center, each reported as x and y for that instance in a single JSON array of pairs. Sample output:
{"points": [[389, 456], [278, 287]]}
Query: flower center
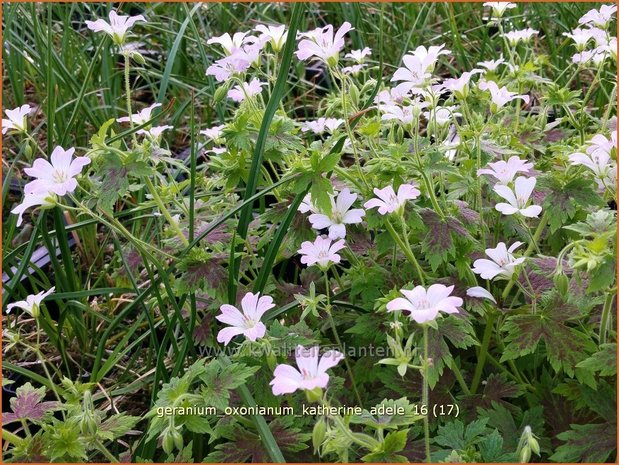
{"points": [[323, 254], [60, 176], [249, 323], [306, 374]]}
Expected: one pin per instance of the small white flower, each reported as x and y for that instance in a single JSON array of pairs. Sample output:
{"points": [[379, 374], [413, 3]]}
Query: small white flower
{"points": [[214, 132], [441, 115], [505, 171], [32, 303], [481, 293], [460, 86], [16, 119], [388, 201], [117, 28], [517, 199], [524, 35], [492, 65], [581, 37], [276, 35], [141, 116], [418, 67], [500, 96], [32, 200], [354, 69], [321, 125], [499, 8], [359, 55], [321, 252], [246, 322], [341, 215], [599, 18], [58, 176], [425, 305], [230, 44], [502, 263], [323, 44]]}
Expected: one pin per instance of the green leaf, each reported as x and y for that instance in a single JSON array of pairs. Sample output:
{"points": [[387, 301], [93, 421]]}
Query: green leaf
{"points": [[603, 362], [116, 426], [219, 381], [587, 443], [395, 441]]}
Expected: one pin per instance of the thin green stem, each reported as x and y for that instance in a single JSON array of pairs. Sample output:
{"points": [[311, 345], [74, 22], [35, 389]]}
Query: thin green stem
{"points": [[483, 352], [173, 224], [405, 247], [608, 303], [425, 395]]}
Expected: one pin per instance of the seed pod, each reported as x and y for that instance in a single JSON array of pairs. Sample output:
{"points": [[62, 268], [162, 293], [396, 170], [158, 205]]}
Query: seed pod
{"points": [[561, 283], [138, 58], [178, 438], [354, 95], [525, 454], [318, 435], [220, 93], [168, 441]]}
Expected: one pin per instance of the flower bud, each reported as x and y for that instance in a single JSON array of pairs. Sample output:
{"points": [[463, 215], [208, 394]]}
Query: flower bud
{"points": [[138, 58], [168, 441], [561, 282], [314, 395], [525, 454]]}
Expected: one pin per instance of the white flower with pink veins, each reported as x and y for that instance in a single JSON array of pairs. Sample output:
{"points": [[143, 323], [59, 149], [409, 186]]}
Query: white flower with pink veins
{"points": [[246, 322], [425, 305], [387, 201], [502, 263], [311, 372], [58, 176], [321, 252], [341, 215], [518, 198], [505, 171]]}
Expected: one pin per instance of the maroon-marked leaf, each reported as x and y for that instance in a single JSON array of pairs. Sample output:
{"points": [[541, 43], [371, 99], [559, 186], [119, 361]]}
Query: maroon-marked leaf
{"points": [[28, 405], [587, 443]]}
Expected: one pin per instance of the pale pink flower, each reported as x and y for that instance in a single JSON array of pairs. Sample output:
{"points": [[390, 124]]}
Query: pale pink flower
{"points": [[155, 132], [16, 119], [230, 44], [245, 90], [589, 56], [404, 115], [390, 97], [322, 252], [229, 66], [117, 28], [500, 96], [492, 65], [442, 115], [525, 36], [518, 198], [425, 305], [58, 176], [311, 372], [460, 86], [321, 125], [505, 171], [499, 8], [599, 162], [341, 215], [141, 116], [502, 263], [480, 293], [359, 55], [323, 44], [214, 132], [451, 144], [599, 18], [276, 35], [418, 67], [307, 205], [388, 201], [32, 303], [217, 150], [246, 322], [580, 37], [354, 69], [33, 200]]}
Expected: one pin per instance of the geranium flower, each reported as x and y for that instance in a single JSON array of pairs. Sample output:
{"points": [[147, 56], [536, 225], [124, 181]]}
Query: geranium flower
{"points": [[425, 305], [311, 372], [322, 252], [460, 86], [321, 125], [246, 322], [518, 199], [323, 44], [500, 96], [229, 66], [214, 132], [589, 56], [404, 115], [359, 55], [307, 205], [599, 18], [117, 28], [32, 303], [276, 35], [502, 264], [390, 97], [451, 143], [480, 293], [33, 200], [340, 216], [230, 44], [418, 67], [441, 115], [580, 37], [155, 132], [241, 92], [354, 69], [499, 8], [599, 162], [141, 116], [388, 201], [505, 171], [58, 176], [492, 65], [524, 35], [16, 119]]}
